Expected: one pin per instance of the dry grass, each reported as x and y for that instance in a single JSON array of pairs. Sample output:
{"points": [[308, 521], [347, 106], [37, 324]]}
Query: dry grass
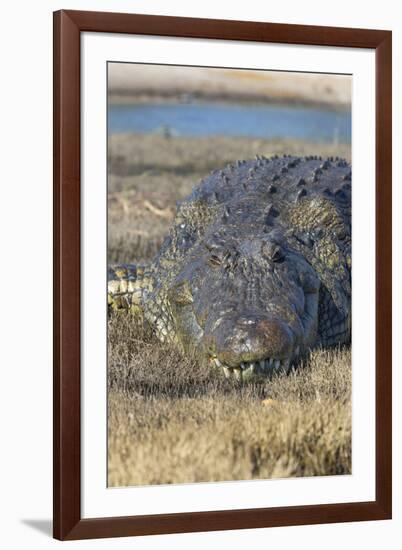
{"points": [[172, 421]]}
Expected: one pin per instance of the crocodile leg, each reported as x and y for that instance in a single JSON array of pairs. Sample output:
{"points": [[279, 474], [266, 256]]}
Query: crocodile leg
{"points": [[128, 285]]}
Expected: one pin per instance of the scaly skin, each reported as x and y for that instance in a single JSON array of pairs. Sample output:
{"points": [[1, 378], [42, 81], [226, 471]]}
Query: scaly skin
{"points": [[256, 269]]}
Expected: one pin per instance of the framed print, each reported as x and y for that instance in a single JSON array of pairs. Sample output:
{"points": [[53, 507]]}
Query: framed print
{"points": [[205, 303]]}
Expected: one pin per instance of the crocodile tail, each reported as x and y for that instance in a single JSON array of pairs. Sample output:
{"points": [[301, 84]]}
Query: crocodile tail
{"points": [[128, 286]]}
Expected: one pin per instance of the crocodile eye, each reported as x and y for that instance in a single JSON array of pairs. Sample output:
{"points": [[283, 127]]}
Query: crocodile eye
{"points": [[277, 254], [273, 252], [216, 253], [180, 294], [215, 260]]}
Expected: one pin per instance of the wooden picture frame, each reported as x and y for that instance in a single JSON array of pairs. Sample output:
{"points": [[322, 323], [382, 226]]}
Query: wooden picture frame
{"points": [[68, 523]]}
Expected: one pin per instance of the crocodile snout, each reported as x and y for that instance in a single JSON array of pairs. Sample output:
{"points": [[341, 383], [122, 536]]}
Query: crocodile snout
{"points": [[258, 342]]}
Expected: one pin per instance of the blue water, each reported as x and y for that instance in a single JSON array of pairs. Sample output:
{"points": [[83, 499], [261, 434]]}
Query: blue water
{"points": [[266, 121]]}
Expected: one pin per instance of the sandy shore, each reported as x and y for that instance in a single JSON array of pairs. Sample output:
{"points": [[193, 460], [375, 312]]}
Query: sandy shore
{"points": [[136, 83]]}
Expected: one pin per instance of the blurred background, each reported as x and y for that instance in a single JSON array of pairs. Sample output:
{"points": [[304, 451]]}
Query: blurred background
{"points": [[169, 126]]}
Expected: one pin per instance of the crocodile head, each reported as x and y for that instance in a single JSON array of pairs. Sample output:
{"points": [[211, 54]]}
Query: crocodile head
{"points": [[247, 303]]}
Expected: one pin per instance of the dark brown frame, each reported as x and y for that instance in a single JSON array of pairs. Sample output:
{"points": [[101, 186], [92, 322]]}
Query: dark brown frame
{"points": [[67, 481]]}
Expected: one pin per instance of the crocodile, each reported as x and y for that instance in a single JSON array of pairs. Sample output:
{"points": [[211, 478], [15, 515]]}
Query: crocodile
{"points": [[256, 269]]}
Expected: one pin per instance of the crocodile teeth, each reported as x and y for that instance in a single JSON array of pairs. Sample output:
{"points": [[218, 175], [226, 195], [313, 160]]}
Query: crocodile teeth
{"points": [[247, 369]]}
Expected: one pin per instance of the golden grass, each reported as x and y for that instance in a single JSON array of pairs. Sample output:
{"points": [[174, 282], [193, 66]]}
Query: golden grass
{"points": [[173, 421]]}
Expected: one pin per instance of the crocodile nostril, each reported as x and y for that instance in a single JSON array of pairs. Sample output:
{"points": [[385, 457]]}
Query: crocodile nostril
{"points": [[276, 333], [248, 321], [252, 338]]}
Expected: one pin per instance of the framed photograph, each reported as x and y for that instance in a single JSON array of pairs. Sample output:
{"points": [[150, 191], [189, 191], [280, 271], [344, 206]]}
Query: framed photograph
{"points": [[205, 303]]}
